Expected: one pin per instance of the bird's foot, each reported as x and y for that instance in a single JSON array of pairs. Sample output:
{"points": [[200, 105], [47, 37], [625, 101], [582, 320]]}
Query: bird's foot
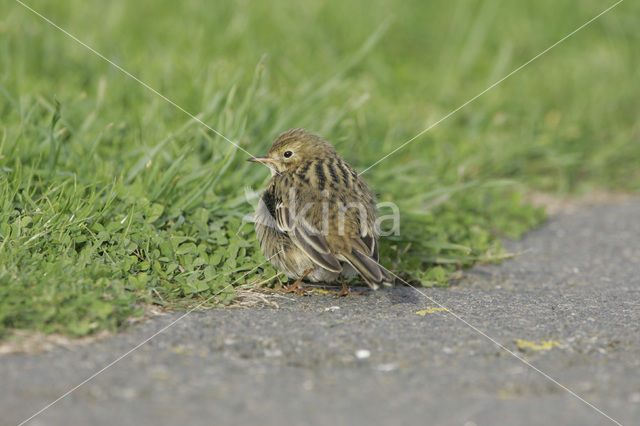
{"points": [[296, 288], [346, 292]]}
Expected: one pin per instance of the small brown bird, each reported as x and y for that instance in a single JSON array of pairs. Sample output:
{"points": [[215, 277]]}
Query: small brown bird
{"points": [[316, 217]]}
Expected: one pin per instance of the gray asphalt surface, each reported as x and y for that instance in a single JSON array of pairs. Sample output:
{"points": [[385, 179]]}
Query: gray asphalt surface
{"points": [[577, 282]]}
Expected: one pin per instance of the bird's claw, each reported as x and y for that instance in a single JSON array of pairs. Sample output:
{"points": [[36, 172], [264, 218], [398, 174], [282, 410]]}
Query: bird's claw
{"points": [[294, 288], [346, 292]]}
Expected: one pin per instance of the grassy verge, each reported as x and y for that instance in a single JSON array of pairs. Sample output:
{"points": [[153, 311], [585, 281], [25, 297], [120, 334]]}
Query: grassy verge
{"points": [[110, 197]]}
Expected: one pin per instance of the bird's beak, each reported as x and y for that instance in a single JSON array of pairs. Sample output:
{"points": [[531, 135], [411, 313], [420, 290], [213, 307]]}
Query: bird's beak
{"points": [[263, 159]]}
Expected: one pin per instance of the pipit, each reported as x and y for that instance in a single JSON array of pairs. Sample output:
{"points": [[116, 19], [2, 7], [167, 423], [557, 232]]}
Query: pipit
{"points": [[316, 217]]}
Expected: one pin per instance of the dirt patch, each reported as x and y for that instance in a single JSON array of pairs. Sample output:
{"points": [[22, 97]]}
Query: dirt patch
{"points": [[33, 342]]}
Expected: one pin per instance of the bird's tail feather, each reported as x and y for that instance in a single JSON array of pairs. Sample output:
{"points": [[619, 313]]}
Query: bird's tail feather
{"points": [[373, 273]]}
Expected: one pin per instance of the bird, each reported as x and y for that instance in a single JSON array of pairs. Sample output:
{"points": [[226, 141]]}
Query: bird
{"points": [[316, 217]]}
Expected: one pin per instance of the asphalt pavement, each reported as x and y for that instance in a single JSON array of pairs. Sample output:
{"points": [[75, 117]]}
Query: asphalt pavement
{"points": [[569, 305]]}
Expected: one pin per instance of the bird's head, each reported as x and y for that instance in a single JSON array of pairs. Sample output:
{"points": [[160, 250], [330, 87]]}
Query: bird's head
{"points": [[294, 148]]}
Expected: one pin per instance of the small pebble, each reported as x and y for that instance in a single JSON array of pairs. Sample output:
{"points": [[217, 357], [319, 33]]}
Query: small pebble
{"points": [[363, 353]]}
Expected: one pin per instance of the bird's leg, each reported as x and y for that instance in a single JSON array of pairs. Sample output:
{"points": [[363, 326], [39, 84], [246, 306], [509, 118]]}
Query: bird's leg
{"points": [[345, 290], [296, 286]]}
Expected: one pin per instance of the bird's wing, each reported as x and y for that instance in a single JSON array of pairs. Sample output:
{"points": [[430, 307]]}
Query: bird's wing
{"points": [[363, 256], [312, 243], [282, 217], [372, 243]]}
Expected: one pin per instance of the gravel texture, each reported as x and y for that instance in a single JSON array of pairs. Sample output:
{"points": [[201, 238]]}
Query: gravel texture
{"points": [[372, 359]]}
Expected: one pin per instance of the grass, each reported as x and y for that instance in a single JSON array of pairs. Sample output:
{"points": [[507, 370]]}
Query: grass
{"points": [[111, 197]]}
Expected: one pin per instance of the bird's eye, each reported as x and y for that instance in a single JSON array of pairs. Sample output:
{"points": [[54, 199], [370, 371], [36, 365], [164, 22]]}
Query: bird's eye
{"points": [[288, 154]]}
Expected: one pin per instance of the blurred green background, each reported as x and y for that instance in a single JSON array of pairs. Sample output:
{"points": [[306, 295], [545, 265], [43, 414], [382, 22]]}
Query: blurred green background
{"points": [[111, 198]]}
